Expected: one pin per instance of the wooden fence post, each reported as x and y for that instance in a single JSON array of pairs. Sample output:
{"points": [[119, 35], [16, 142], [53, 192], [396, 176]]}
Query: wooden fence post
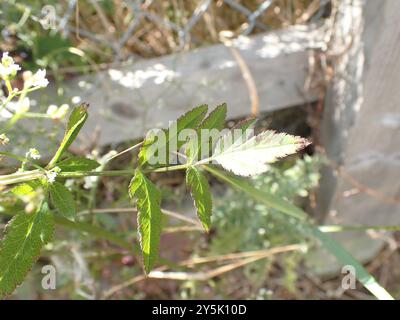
{"points": [[361, 126]]}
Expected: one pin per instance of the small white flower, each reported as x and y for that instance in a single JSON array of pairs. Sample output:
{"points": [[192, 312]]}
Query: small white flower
{"points": [[51, 176], [4, 139], [15, 107], [57, 113], [37, 80], [62, 111], [261, 231], [90, 182], [33, 154], [8, 67], [52, 110], [76, 99], [23, 106]]}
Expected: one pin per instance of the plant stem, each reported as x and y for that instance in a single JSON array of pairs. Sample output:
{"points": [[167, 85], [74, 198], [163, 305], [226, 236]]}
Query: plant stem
{"points": [[21, 177], [35, 174], [125, 151]]}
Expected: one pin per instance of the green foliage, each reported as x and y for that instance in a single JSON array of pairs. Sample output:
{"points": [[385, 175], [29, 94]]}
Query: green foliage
{"points": [[148, 199], [190, 120], [215, 120], [26, 234], [200, 191], [23, 189], [263, 226], [78, 164], [243, 155], [76, 121], [63, 200], [285, 207]]}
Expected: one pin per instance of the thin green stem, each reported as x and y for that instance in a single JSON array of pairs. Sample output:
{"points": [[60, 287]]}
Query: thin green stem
{"points": [[167, 169], [9, 98], [106, 173], [19, 177], [21, 159], [9, 87], [125, 151]]}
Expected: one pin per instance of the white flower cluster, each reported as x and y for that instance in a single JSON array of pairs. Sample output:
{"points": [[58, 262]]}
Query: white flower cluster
{"points": [[4, 139], [17, 107], [52, 174], [8, 68], [33, 154], [57, 113], [37, 79]]}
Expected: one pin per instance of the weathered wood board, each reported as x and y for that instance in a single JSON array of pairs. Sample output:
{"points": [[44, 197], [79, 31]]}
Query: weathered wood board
{"points": [[362, 129], [370, 152], [127, 101]]}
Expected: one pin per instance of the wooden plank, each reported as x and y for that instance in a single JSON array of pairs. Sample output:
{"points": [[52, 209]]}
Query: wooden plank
{"points": [[127, 101], [362, 129]]}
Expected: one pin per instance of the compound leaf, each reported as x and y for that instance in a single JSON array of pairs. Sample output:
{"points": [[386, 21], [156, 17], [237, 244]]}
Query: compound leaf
{"points": [[190, 120], [214, 121], [216, 118]]}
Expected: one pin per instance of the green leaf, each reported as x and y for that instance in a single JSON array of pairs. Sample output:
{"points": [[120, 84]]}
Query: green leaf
{"points": [[63, 200], [200, 191], [22, 189], [76, 121], [78, 164], [332, 246], [148, 199], [190, 120], [26, 234], [25, 188], [248, 156], [215, 120]]}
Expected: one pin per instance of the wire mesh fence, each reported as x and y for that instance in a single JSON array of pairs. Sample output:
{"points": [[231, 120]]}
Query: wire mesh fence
{"points": [[154, 28]]}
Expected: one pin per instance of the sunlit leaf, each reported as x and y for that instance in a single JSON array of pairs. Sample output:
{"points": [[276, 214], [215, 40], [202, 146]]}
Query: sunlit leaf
{"points": [[248, 155], [76, 121], [200, 191], [148, 199], [190, 120], [25, 236], [214, 121]]}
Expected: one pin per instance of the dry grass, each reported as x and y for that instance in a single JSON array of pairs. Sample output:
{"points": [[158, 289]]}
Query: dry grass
{"points": [[154, 38]]}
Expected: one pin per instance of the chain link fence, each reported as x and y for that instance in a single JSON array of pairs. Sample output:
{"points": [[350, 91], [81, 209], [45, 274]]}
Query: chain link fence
{"points": [[153, 27]]}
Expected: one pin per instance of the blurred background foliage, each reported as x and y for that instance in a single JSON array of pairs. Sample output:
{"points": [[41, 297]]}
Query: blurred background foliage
{"points": [[88, 266]]}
